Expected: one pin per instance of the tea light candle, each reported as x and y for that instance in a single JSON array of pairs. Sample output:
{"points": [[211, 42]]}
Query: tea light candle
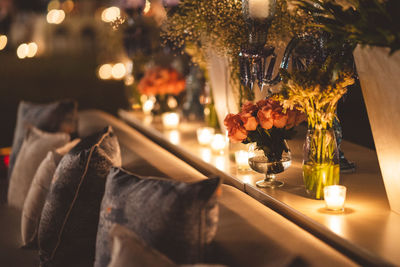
{"points": [[170, 120], [205, 135], [218, 143], [174, 137], [335, 196], [259, 9], [242, 160], [148, 106]]}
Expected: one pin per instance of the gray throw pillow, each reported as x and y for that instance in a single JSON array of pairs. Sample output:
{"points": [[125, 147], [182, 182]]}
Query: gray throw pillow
{"points": [[68, 224], [61, 116], [37, 193], [177, 219], [34, 149]]}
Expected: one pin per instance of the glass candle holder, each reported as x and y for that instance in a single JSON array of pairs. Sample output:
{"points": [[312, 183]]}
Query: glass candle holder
{"points": [[205, 135], [148, 106], [335, 196], [242, 160], [218, 143], [170, 120]]}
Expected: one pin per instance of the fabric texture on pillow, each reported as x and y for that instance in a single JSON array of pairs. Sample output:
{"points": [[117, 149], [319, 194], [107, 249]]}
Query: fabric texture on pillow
{"points": [[128, 250], [34, 149], [177, 219], [37, 193], [68, 224], [61, 116]]}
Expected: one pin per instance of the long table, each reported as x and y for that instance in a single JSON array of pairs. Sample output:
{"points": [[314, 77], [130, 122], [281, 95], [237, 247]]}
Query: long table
{"points": [[367, 231]]}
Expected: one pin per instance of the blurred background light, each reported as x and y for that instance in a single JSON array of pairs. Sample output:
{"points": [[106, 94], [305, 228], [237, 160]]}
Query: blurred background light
{"points": [[105, 71], [3, 41], [110, 14], [22, 51], [118, 71], [32, 49], [55, 16]]}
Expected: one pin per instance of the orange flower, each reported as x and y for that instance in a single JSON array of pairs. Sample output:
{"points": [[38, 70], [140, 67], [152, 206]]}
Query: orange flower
{"points": [[248, 107], [280, 119], [265, 119], [160, 81], [249, 121], [236, 132]]}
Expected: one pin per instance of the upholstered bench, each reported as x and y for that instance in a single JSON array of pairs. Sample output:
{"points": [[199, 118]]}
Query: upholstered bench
{"points": [[249, 233]]}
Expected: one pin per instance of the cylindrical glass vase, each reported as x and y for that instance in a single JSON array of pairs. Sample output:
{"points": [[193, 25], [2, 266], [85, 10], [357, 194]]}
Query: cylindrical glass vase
{"points": [[320, 161]]}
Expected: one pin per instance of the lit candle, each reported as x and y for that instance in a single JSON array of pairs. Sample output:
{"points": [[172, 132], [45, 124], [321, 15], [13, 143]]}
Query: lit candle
{"points": [[218, 143], [335, 195], [174, 137], [205, 135], [148, 106], [242, 160], [259, 9], [170, 120]]}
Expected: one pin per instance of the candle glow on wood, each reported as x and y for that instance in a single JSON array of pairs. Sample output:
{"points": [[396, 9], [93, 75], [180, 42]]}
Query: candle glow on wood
{"points": [[335, 196], [259, 9], [170, 120], [205, 135], [242, 160]]}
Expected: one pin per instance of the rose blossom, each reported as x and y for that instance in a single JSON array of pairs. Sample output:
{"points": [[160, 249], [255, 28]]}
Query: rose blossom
{"points": [[279, 117], [249, 121], [236, 131], [249, 107], [265, 119]]}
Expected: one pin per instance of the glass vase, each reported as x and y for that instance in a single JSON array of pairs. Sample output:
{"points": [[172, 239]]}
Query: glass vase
{"points": [[320, 162], [261, 164]]}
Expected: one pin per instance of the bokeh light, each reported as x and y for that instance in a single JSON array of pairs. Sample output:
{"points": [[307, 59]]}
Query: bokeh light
{"points": [[105, 71], [32, 49], [110, 14], [55, 16], [22, 51], [3, 41], [118, 71]]}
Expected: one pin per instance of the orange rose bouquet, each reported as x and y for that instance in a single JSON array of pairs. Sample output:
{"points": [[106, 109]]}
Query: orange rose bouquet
{"points": [[165, 84], [267, 123], [161, 81]]}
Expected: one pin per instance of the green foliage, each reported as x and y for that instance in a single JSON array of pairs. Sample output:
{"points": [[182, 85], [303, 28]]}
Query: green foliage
{"points": [[271, 141], [365, 22]]}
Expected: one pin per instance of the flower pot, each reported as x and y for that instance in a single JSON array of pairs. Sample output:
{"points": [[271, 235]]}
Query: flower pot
{"points": [[321, 162], [379, 76]]}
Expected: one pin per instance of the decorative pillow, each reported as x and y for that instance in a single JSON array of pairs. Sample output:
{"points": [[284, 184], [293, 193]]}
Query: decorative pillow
{"points": [[61, 116], [68, 224], [37, 193], [34, 149], [178, 219], [128, 250]]}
